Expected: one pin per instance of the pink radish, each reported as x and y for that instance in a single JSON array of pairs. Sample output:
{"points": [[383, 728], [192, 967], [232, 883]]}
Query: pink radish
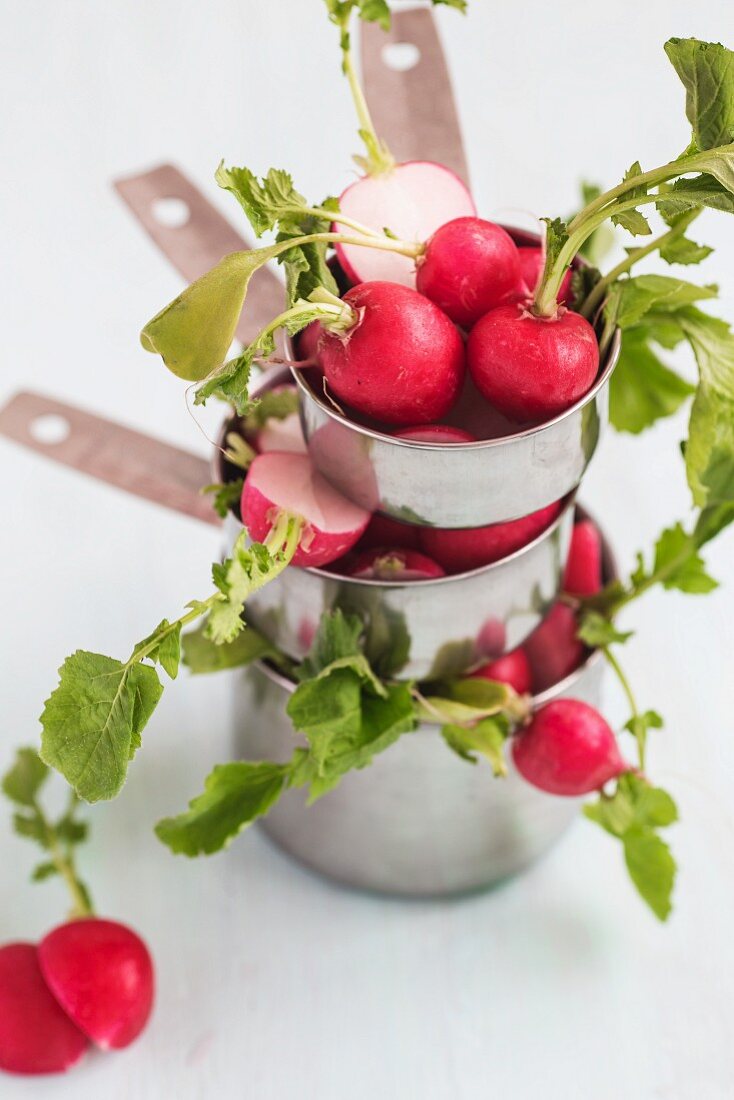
{"points": [[394, 565], [553, 649], [532, 368], [412, 200], [583, 566], [469, 267], [101, 973], [282, 435], [491, 640], [278, 482], [459, 551], [532, 262], [512, 668], [36, 1036], [307, 343], [385, 531], [402, 362], [567, 749], [435, 433]]}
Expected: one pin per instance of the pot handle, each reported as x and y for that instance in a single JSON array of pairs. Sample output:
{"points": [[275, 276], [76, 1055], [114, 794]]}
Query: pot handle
{"points": [[414, 108], [199, 242], [111, 453]]}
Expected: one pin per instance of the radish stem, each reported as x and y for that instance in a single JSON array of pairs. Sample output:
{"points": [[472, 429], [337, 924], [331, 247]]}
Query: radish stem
{"points": [[379, 159], [64, 863]]}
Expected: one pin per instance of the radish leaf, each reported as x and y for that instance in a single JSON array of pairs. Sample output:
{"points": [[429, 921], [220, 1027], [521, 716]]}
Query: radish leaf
{"points": [[707, 72], [201, 654], [486, 737], [24, 780], [632, 220]]}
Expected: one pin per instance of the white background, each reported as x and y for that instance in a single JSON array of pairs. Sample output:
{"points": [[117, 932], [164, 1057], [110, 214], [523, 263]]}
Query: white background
{"points": [[273, 983]]}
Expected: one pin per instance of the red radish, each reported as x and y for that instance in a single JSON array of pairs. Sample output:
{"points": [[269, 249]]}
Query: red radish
{"points": [[512, 668], [435, 433], [567, 749], [458, 551], [279, 482], [394, 565], [101, 973], [469, 267], [281, 435], [403, 360], [532, 368], [583, 567], [385, 531], [532, 262], [553, 649], [35, 1034], [491, 639], [412, 200]]}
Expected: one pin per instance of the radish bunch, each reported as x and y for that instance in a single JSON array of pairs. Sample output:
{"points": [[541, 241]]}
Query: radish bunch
{"points": [[89, 980]]}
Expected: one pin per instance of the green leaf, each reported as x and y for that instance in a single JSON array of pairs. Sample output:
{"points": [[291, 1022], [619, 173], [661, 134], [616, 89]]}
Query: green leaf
{"points": [[642, 389], [556, 236], [236, 578], [676, 547], [32, 827], [194, 332], [273, 405], [681, 250], [42, 871], [375, 11], [338, 636], [632, 220], [71, 831], [234, 796], [226, 495], [630, 299], [25, 778], [639, 725], [167, 648], [93, 721], [597, 631], [695, 191], [707, 72], [487, 737], [201, 654], [465, 701], [346, 726], [460, 5], [652, 869]]}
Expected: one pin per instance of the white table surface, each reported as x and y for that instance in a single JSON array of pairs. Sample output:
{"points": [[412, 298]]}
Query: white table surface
{"points": [[273, 983]]}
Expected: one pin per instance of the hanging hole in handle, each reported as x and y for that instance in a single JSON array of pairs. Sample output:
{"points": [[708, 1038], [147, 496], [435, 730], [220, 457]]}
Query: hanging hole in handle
{"points": [[50, 429], [171, 212], [401, 57]]}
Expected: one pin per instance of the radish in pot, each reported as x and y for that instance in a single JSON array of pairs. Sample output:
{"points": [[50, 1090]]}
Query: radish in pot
{"points": [[386, 531], [567, 749], [532, 262], [394, 565], [281, 487], [583, 576], [553, 649], [461, 550], [401, 360], [435, 433], [511, 668], [469, 267]]}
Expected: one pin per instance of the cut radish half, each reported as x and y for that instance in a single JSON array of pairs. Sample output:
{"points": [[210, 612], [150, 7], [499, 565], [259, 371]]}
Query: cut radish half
{"points": [[435, 433], [36, 1036], [394, 565], [101, 973], [278, 482], [281, 435], [412, 200]]}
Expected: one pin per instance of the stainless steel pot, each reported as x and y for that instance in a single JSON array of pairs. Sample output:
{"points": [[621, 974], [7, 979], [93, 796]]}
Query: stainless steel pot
{"points": [[427, 628], [419, 821], [457, 485]]}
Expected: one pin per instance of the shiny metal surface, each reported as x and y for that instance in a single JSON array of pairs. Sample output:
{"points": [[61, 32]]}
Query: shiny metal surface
{"points": [[440, 623], [459, 485], [418, 821]]}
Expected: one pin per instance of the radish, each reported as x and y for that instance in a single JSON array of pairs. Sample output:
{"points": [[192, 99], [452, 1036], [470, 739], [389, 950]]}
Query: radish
{"points": [[511, 668], [307, 344], [583, 574], [435, 433], [385, 531], [101, 974], [553, 649], [282, 435], [278, 483], [530, 367], [401, 361], [394, 565], [532, 261], [35, 1034], [459, 551], [413, 200], [491, 640], [567, 749], [469, 267]]}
